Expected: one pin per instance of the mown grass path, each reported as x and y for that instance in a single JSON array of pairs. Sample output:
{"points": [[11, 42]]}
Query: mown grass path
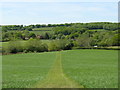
{"points": [[56, 78]]}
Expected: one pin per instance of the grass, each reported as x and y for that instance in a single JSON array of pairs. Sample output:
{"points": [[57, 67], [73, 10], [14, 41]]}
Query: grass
{"points": [[43, 29], [3, 44], [65, 69], [113, 47], [56, 77], [41, 32], [97, 30], [92, 68], [24, 70]]}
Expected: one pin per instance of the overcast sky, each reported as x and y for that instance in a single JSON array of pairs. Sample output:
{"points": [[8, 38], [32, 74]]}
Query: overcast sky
{"points": [[57, 12]]}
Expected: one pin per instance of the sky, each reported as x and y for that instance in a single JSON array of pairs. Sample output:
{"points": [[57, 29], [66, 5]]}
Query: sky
{"points": [[57, 12]]}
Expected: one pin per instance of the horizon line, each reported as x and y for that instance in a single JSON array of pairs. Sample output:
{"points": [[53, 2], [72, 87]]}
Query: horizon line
{"points": [[59, 23]]}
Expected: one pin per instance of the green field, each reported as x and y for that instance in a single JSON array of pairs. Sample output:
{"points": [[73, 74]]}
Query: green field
{"points": [[92, 68], [24, 70], [43, 29], [64, 69], [41, 32], [97, 30]]}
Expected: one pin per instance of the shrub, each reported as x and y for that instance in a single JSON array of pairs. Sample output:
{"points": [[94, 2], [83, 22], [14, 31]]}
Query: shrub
{"points": [[36, 45], [68, 45], [60, 45], [52, 46], [12, 47]]}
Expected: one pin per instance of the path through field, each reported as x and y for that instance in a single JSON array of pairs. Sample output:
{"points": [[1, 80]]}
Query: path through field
{"points": [[56, 78]]}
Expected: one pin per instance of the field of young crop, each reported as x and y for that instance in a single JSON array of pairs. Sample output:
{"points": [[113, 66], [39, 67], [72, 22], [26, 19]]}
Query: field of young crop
{"points": [[39, 32], [92, 68], [43, 29], [24, 70], [97, 30], [71, 68]]}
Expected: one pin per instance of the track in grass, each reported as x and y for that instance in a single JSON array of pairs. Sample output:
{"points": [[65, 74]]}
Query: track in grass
{"points": [[56, 78]]}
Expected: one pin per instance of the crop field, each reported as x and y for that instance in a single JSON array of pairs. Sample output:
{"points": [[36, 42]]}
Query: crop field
{"points": [[92, 68], [24, 70], [39, 32], [41, 48], [43, 29], [61, 69], [97, 30]]}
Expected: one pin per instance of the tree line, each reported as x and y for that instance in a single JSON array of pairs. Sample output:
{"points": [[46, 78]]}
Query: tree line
{"points": [[95, 25], [65, 36], [35, 45]]}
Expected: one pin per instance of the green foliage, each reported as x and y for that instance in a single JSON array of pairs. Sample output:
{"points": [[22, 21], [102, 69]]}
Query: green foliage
{"points": [[32, 35], [116, 40], [52, 46], [60, 45], [17, 35], [97, 33], [34, 45], [74, 35], [29, 29], [12, 47], [111, 26], [84, 41], [47, 36]]}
